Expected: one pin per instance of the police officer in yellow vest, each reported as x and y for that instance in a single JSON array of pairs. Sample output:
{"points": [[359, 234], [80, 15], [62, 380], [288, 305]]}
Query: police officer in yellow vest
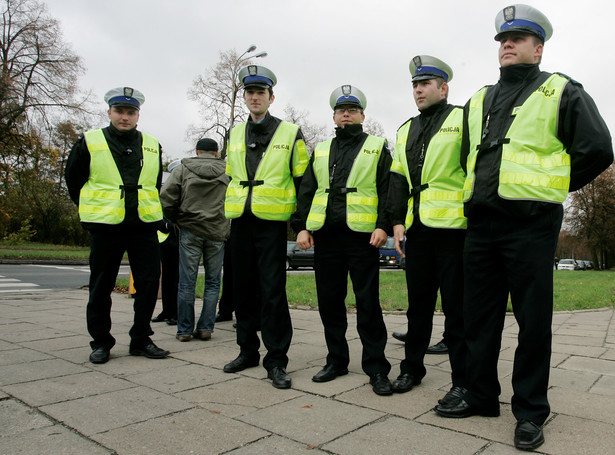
{"points": [[114, 174], [426, 208], [528, 141], [266, 160], [341, 212]]}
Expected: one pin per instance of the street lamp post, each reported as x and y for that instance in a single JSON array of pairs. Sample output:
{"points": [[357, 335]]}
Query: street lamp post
{"points": [[237, 65]]}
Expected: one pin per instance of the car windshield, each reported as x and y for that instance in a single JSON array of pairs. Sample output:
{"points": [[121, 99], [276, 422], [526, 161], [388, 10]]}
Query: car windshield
{"points": [[566, 261]]}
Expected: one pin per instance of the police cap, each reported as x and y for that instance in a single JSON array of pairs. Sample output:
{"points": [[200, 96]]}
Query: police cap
{"points": [[423, 67], [522, 18], [125, 96], [347, 95], [257, 76]]}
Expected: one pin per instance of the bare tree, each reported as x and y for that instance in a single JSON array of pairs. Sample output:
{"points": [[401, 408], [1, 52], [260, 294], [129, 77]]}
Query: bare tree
{"points": [[312, 133], [591, 215], [39, 71], [216, 91]]}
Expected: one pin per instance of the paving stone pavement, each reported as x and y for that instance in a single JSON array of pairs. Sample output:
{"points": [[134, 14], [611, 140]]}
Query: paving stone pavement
{"points": [[54, 401]]}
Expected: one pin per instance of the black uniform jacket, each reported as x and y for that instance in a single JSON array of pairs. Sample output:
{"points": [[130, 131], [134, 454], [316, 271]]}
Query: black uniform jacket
{"points": [[422, 129], [345, 146], [126, 150], [580, 128]]}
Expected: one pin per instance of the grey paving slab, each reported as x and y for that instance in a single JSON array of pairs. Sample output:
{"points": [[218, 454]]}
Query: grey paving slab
{"points": [[17, 418], [53, 400], [107, 411], [310, 419], [238, 396], [51, 440], [396, 436], [192, 431], [21, 355], [570, 435], [276, 445], [66, 388], [604, 386], [584, 405], [599, 366], [183, 377], [31, 371]]}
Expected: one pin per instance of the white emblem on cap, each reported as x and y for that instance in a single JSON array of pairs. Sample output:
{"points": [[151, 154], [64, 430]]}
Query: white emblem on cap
{"points": [[252, 70], [128, 92], [346, 90], [509, 13]]}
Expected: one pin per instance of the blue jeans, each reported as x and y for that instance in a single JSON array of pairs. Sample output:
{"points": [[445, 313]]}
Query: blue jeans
{"points": [[191, 248]]}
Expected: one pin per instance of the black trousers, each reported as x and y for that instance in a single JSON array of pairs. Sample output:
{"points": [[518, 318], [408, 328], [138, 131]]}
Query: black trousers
{"points": [[169, 257], [505, 256], [434, 261], [258, 252], [106, 250], [337, 253]]}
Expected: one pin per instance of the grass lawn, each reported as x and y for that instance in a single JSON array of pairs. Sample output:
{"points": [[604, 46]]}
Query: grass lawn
{"points": [[578, 290], [32, 250]]}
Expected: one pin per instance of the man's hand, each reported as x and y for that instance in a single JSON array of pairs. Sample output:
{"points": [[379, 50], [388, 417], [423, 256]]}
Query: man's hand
{"points": [[379, 237], [305, 240], [398, 232]]}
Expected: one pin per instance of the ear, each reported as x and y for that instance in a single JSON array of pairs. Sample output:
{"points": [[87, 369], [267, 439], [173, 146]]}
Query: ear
{"points": [[538, 51], [271, 98]]}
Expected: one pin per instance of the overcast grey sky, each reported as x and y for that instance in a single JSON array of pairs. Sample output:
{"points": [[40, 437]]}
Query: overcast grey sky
{"points": [[314, 46]]}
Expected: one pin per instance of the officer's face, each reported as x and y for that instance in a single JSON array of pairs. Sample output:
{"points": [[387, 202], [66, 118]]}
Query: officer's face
{"points": [[257, 100], [427, 93], [123, 118], [518, 48], [348, 115]]}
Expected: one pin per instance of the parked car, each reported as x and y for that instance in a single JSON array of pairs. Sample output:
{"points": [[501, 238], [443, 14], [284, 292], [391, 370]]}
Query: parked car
{"points": [[389, 257], [296, 257], [567, 264], [589, 265], [581, 264]]}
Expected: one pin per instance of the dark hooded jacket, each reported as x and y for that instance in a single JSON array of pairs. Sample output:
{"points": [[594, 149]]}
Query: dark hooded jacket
{"points": [[193, 197]]}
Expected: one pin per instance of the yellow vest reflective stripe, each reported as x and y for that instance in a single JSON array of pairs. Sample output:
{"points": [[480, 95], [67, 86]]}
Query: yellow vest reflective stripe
{"points": [[441, 203], [535, 165], [101, 199], [362, 204], [273, 197]]}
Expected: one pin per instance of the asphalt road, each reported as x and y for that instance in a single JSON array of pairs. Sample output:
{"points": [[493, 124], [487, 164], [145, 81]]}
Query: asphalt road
{"points": [[15, 278]]}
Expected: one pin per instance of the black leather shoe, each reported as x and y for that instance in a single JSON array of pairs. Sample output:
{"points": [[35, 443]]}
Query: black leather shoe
{"points": [[452, 396], [151, 351], [461, 410], [438, 348], [401, 336], [329, 373], [160, 318], [381, 384], [99, 355], [240, 363], [223, 317], [528, 435], [404, 383], [172, 321], [281, 379]]}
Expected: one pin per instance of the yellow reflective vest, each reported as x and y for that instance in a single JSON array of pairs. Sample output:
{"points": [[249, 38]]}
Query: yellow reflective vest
{"points": [[101, 199], [361, 190], [273, 189], [535, 165], [442, 178]]}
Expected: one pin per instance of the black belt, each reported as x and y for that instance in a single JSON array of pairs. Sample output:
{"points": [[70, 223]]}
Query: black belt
{"points": [[340, 190], [417, 189], [251, 183], [491, 145], [129, 188]]}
